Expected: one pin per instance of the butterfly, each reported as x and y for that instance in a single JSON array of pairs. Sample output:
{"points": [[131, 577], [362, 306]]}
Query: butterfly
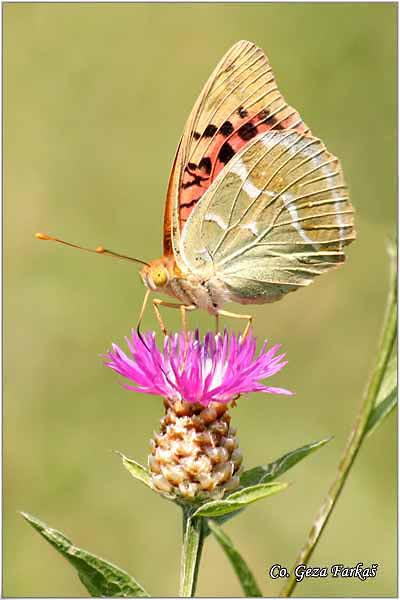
{"points": [[256, 206]]}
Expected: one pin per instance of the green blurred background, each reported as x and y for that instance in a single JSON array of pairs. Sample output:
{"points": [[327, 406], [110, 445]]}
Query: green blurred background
{"points": [[95, 98]]}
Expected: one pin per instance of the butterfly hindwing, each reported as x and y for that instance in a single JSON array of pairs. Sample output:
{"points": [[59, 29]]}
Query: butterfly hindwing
{"points": [[277, 216]]}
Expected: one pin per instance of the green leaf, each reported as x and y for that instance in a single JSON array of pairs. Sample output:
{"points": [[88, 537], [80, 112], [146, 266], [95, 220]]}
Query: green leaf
{"points": [[136, 470], [239, 499], [100, 578], [224, 518], [246, 577], [387, 397], [263, 474]]}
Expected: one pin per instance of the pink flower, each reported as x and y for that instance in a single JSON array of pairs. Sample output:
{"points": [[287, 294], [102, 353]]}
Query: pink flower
{"points": [[218, 369]]}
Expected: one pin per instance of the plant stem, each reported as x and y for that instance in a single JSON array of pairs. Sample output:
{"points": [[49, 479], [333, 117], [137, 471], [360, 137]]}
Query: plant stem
{"points": [[193, 537], [386, 346]]}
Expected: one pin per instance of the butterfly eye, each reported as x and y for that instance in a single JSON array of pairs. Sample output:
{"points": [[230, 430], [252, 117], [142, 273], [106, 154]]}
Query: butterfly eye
{"points": [[160, 277]]}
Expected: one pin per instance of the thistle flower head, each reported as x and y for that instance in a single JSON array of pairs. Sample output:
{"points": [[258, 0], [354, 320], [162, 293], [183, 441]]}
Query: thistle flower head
{"points": [[195, 455], [218, 368]]}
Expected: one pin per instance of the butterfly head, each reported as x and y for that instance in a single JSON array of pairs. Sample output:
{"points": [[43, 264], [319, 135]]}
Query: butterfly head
{"points": [[158, 273]]}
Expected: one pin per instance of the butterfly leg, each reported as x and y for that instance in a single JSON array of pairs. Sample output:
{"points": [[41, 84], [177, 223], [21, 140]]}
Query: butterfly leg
{"points": [[141, 315], [249, 318], [217, 323], [184, 308]]}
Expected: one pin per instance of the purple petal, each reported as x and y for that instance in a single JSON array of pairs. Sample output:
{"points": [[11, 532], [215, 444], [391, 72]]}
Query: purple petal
{"points": [[215, 369]]}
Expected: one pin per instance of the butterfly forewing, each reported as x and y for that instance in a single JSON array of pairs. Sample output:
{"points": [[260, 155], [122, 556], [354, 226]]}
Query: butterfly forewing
{"points": [[239, 102], [277, 216]]}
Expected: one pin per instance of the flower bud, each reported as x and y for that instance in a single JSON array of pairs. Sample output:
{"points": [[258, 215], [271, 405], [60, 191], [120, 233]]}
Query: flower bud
{"points": [[191, 458]]}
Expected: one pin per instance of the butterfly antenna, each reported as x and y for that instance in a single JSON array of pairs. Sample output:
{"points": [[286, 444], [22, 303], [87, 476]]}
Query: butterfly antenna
{"points": [[98, 250]]}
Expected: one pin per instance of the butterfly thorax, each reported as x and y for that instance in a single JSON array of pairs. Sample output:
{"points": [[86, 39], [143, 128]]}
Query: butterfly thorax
{"points": [[164, 275]]}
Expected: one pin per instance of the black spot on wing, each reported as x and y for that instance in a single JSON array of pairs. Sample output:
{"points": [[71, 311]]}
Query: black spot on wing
{"points": [[247, 131], [263, 114], [189, 204], [210, 130], [277, 124], [196, 135], [188, 184], [226, 128], [197, 179], [242, 112], [205, 164], [225, 153]]}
